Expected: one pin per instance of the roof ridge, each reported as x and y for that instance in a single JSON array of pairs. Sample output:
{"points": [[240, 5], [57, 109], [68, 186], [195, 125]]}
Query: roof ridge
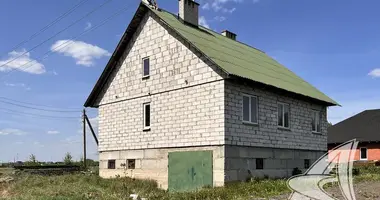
{"points": [[209, 29]]}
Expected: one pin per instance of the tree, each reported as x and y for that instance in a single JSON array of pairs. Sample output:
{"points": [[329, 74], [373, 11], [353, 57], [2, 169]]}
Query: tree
{"points": [[32, 158], [68, 160]]}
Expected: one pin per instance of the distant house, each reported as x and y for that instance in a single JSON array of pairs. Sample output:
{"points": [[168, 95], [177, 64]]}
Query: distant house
{"points": [[187, 106], [365, 127]]}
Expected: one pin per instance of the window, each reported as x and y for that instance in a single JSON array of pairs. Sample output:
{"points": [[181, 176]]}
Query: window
{"points": [[283, 115], [111, 164], [146, 67], [250, 109], [316, 121], [306, 163], [259, 163], [131, 163], [363, 153], [146, 116]]}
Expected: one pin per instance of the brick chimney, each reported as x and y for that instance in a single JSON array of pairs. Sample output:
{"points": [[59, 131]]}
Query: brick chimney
{"points": [[188, 11], [229, 34]]}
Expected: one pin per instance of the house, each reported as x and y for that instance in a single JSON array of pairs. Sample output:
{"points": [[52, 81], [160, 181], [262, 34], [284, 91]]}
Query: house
{"points": [[188, 107], [365, 128]]}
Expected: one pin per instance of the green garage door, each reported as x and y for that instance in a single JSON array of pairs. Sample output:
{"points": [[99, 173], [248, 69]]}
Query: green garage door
{"points": [[189, 170]]}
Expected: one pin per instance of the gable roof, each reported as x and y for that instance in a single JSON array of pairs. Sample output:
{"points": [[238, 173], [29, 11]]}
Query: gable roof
{"points": [[364, 127], [233, 57]]}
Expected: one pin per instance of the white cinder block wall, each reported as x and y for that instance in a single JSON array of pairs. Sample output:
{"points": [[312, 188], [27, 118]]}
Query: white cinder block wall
{"points": [[186, 96], [187, 106], [282, 150], [193, 107]]}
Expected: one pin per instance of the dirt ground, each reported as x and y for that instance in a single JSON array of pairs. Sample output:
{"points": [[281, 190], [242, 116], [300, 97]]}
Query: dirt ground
{"points": [[363, 191]]}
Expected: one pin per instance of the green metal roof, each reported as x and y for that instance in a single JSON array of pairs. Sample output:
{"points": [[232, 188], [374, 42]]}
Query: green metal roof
{"points": [[242, 60]]}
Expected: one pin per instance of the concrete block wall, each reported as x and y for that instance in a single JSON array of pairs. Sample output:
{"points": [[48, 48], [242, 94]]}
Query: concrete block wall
{"points": [[278, 163], [153, 164], [186, 93], [266, 133]]}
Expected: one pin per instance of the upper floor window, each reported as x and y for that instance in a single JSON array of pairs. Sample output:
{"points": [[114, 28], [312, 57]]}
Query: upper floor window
{"points": [[146, 67], [250, 109], [283, 110], [316, 121], [146, 116]]}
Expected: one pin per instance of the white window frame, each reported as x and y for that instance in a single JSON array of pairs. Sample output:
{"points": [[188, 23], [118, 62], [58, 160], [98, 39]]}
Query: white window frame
{"points": [[283, 115], [366, 150], [250, 109], [145, 127], [319, 120], [143, 67]]}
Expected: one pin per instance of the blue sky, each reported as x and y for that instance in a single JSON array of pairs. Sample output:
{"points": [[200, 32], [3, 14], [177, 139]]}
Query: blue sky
{"points": [[334, 45]]}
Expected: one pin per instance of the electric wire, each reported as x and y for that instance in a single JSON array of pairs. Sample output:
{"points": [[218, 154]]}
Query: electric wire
{"points": [[72, 9]]}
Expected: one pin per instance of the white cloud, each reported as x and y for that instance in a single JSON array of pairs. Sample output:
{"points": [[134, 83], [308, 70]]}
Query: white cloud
{"points": [[82, 52], [22, 85], [220, 18], [88, 26], [11, 131], [20, 60], [206, 6], [225, 10], [375, 73], [52, 132], [218, 5], [203, 22]]}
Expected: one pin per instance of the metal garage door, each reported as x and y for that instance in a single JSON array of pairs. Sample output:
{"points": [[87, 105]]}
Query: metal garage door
{"points": [[189, 170]]}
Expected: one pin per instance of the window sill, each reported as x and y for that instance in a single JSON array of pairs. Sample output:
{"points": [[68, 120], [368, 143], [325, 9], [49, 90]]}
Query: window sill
{"points": [[316, 133], [283, 128], [250, 123], [364, 159], [146, 129], [145, 77]]}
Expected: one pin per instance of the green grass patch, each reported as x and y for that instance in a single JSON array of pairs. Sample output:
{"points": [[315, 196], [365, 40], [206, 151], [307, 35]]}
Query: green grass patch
{"points": [[80, 186]]}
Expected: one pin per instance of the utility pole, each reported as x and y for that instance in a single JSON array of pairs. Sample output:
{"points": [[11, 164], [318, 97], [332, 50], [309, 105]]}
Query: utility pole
{"points": [[84, 138]]}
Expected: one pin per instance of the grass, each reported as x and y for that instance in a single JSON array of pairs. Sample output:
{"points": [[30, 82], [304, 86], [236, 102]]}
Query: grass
{"points": [[80, 186], [85, 186]]}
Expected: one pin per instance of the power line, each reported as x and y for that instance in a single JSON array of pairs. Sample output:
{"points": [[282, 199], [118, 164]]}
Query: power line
{"points": [[41, 109], [59, 32], [12, 100], [72, 9], [67, 43], [38, 115]]}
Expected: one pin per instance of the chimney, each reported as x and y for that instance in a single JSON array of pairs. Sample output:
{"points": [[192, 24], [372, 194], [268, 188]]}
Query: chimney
{"points": [[188, 11], [229, 34]]}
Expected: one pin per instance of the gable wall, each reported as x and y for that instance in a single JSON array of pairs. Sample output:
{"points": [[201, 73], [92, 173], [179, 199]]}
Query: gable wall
{"points": [[267, 133], [186, 95]]}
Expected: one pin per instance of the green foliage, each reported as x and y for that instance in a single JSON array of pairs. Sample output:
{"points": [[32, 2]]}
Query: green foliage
{"points": [[32, 161], [68, 159], [80, 186]]}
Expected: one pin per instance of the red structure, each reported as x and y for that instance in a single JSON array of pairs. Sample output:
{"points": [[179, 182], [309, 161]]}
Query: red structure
{"points": [[364, 127]]}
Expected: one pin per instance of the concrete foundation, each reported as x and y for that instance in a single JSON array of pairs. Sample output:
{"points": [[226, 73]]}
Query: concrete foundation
{"points": [[230, 163], [153, 164], [240, 162]]}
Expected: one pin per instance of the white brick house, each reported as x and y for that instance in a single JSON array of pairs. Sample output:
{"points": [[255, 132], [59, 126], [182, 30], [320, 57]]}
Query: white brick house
{"points": [[174, 86]]}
